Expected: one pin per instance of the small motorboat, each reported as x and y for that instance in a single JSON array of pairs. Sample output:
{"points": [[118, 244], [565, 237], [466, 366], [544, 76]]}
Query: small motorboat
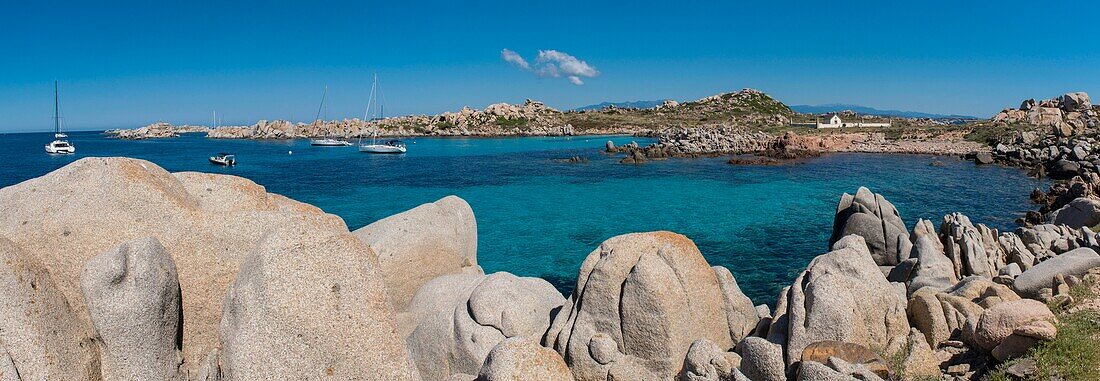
{"points": [[329, 142], [224, 159], [60, 147], [392, 146]]}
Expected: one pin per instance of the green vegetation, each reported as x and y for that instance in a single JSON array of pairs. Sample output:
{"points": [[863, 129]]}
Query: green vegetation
{"points": [[991, 134], [511, 123], [1075, 353]]}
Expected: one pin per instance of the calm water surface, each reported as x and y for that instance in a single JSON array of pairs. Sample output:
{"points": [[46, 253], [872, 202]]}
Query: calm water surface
{"points": [[540, 217]]}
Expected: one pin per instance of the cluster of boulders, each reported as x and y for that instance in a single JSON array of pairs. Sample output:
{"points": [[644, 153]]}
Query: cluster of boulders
{"points": [[156, 130], [1067, 113], [1060, 156], [113, 268]]}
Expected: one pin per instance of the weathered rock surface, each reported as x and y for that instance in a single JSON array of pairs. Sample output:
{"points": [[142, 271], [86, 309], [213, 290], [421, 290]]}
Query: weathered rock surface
{"points": [[293, 313], [841, 296], [706, 362], [1010, 328], [1081, 212], [459, 318], [40, 335], [133, 297], [207, 223], [423, 243], [870, 216], [973, 249], [741, 315], [933, 269], [519, 358], [641, 300], [1075, 262], [762, 360], [942, 315], [822, 351]]}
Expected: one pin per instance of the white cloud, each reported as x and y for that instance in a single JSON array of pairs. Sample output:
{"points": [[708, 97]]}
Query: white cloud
{"points": [[515, 59], [553, 64]]}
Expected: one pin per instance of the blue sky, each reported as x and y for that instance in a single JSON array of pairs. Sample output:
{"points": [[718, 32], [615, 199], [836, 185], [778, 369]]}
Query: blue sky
{"points": [[126, 64]]}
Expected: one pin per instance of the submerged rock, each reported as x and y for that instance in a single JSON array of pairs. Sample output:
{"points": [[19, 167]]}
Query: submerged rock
{"points": [[420, 244], [133, 297], [641, 300]]}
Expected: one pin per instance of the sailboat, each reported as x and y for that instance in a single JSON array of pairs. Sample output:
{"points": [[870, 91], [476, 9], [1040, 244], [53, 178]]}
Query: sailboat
{"points": [[326, 141], [59, 145], [391, 146]]}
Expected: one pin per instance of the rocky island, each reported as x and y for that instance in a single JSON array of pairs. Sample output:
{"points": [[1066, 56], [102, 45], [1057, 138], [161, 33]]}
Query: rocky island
{"points": [[154, 275]]}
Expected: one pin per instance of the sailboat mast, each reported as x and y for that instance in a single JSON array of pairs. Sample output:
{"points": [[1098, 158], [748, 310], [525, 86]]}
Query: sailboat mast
{"points": [[56, 110]]}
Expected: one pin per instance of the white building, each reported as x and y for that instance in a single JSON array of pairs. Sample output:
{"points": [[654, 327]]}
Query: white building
{"points": [[833, 121]]}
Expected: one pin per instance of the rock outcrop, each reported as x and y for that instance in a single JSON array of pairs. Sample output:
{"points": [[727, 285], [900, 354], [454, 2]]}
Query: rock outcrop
{"points": [[942, 315], [870, 216], [1075, 262], [423, 243], [40, 336], [641, 300], [841, 296], [207, 223], [133, 297], [1009, 329], [459, 318], [519, 358], [291, 314], [1081, 212]]}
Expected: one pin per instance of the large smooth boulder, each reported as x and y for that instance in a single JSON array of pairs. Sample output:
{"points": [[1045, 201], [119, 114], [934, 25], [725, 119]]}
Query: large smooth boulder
{"points": [[762, 360], [1074, 262], [519, 358], [706, 362], [842, 296], [293, 313], [1078, 101], [39, 333], [933, 268], [1009, 329], [943, 314], [870, 216], [133, 297], [741, 315], [459, 318], [641, 300], [421, 244], [1081, 212], [208, 223]]}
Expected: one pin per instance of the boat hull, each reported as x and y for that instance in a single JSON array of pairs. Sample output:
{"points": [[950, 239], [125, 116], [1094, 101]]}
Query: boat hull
{"points": [[61, 150], [329, 143], [381, 148]]}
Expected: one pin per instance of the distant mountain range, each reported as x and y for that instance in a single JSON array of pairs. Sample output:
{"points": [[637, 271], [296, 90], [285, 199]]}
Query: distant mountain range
{"points": [[822, 109], [634, 104]]}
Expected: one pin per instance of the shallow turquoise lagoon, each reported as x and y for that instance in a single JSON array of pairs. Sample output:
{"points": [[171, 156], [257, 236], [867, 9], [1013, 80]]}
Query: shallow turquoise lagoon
{"points": [[540, 217]]}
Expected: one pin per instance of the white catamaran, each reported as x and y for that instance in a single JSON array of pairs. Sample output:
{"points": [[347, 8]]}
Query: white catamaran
{"points": [[390, 146], [59, 145], [326, 141]]}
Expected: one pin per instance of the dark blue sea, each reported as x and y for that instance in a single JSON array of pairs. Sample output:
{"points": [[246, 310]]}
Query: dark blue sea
{"points": [[540, 217]]}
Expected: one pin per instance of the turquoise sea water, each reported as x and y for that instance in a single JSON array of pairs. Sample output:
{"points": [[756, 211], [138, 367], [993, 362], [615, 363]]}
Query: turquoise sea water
{"points": [[540, 217]]}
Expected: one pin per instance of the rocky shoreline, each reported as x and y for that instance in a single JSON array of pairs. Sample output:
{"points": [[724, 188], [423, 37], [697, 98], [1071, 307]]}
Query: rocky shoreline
{"points": [[156, 275]]}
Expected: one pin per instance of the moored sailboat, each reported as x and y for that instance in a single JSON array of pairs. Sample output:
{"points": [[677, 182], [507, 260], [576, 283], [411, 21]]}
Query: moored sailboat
{"points": [[326, 141], [390, 146], [59, 145]]}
